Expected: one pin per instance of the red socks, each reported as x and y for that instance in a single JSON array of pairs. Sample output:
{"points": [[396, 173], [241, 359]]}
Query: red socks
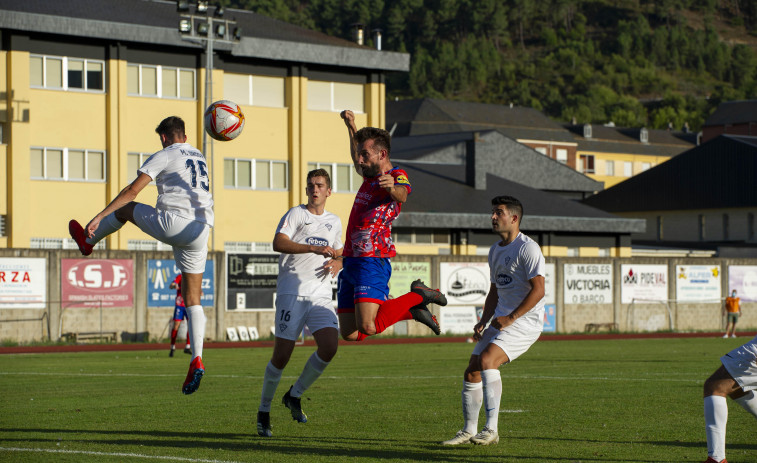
{"points": [[173, 336], [394, 310]]}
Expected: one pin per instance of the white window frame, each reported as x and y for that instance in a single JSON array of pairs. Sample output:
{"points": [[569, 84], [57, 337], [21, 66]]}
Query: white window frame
{"points": [[353, 188], [251, 96], [611, 171], [159, 81], [586, 157], [627, 169], [59, 243], [142, 158], [64, 77], [331, 98], [558, 155], [65, 177], [254, 167]]}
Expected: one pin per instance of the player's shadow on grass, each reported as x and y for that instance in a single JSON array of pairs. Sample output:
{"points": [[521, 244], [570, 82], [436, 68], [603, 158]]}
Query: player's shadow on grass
{"points": [[326, 446]]}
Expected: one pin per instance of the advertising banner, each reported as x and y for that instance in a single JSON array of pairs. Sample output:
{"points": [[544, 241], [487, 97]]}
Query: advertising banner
{"points": [[404, 273], [90, 282], [743, 278], [698, 283], [549, 284], [162, 272], [251, 280], [464, 283], [458, 319], [550, 318], [645, 282], [587, 283], [23, 283]]}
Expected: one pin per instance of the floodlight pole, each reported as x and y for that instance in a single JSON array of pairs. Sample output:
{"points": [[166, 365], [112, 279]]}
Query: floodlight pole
{"points": [[208, 100]]}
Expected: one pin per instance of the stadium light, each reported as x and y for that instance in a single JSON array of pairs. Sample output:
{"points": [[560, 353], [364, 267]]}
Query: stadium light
{"points": [[185, 26], [182, 5], [202, 28], [237, 33], [221, 30], [202, 7], [220, 10]]}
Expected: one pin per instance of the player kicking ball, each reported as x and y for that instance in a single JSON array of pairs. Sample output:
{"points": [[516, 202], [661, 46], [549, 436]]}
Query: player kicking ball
{"points": [[181, 218], [364, 306], [309, 239], [515, 305], [736, 378]]}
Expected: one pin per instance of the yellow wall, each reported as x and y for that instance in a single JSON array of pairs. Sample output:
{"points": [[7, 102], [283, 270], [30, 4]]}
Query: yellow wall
{"points": [[637, 159]]}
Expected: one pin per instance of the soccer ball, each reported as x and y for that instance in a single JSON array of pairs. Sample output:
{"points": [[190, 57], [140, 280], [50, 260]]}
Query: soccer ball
{"points": [[224, 120]]}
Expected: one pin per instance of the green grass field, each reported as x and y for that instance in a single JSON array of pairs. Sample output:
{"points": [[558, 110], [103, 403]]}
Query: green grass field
{"points": [[568, 401]]}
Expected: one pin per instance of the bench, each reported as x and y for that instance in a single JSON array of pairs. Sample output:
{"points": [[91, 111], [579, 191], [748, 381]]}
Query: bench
{"points": [[595, 327], [83, 336]]}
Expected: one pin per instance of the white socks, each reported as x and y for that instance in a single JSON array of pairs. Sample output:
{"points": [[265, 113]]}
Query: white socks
{"points": [[271, 380], [196, 328], [749, 402], [473, 396], [313, 369], [110, 224], [715, 419], [492, 382]]}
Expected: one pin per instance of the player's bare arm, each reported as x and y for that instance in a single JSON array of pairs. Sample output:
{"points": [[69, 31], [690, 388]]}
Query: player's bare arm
{"points": [[396, 192], [490, 305], [334, 265], [532, 298], [282, 243], [127, 195], [349, 120]]}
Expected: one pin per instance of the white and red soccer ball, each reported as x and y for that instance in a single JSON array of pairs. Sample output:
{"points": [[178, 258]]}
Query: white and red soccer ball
{"points": [[224, 120]]}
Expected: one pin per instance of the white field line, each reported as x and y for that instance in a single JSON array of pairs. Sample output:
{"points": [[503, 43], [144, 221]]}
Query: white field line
{"points": [[341, 378], [111, 454]]}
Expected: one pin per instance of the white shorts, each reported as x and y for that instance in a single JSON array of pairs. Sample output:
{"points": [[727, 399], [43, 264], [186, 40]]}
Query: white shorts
{"points": [[514, 340], [741, 363], [189, 238], [294, 312]]}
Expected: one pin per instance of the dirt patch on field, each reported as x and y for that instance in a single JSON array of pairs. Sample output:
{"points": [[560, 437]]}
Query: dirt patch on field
{"points": [[423, 340]]}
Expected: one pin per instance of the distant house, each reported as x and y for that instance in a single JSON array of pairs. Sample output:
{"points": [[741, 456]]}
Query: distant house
{"points": [[704, 198], [525, 125], [732, 117], [612, 154], [456, 175]]}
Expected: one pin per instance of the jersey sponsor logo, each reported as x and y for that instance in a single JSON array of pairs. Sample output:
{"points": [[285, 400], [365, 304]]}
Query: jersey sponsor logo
{"points": [[503, 279], [402, 179], [315, 241]]}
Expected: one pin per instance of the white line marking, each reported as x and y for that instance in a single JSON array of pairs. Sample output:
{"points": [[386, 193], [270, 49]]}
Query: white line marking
{"points": [[113, 454], [504, 376]]}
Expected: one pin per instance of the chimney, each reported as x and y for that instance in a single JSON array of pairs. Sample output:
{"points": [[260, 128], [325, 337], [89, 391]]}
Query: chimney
{"points": [[357, 33], [376, 38], [475, 175]]}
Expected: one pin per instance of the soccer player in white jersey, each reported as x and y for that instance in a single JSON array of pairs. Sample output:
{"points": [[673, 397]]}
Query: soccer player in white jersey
{"points": [[736, 378], [515, 305], [181, 218], [310, 240]]}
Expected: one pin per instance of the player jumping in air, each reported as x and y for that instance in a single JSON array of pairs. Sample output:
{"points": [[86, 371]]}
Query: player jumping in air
{"points": [[181, 218], [363, 305]]}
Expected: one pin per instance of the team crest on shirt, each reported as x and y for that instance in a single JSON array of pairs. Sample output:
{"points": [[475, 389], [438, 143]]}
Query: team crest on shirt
{"points": [[503, 279], [402, 179], [282, 326], [507, 260], [328, 226]]}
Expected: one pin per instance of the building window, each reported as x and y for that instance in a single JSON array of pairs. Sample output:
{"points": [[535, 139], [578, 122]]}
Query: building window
{"points": [[67, 164], [541, 149], [160, 81], [561, 155], [421, 236], [573, 251], [610, 168], [587, 163], [133, 162], [335, 96], [254, 90], [644, 135], [645, 166], [64, 73], [627, 169], [726, 227], [604, 252], [59, 243], [255, 174], [344, 177], [147, 245], [659, 228], [248, 246], [701, 225]]}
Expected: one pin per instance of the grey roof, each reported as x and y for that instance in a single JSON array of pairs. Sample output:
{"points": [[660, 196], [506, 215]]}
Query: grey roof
{"points": [[733, 112], [493, 153], [438, 200], [430, 116], [155, 22], [627, 140], [720, 173]]}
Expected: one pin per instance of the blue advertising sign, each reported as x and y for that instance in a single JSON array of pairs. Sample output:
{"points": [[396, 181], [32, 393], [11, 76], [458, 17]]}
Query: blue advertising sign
{"points": [[162, 272], [550, 318]]}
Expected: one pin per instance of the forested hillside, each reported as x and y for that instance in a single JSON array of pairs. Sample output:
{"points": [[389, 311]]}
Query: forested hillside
{"points": [[659, 64]]}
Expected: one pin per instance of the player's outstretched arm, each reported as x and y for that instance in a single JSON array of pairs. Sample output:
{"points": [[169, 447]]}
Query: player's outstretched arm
{"points": [[349, 120], [127, 195], [282, 243]]}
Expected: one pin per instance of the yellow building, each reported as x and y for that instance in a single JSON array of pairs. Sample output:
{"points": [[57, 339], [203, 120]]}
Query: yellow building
{"points": [[84, 89]]}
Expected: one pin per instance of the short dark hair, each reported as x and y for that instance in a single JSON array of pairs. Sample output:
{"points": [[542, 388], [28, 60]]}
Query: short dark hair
{"points": [[171, 127], [512, 205], [320, 173], [380, 137]]}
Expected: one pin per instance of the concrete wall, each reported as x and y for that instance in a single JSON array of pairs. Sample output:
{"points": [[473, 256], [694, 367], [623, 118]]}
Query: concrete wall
{"points": [[142, 323]]}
